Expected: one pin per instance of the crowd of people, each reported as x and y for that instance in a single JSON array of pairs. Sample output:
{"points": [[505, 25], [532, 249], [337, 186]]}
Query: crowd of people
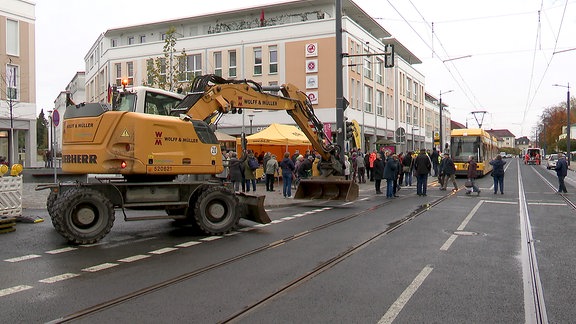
{"points": [[397, 170]]}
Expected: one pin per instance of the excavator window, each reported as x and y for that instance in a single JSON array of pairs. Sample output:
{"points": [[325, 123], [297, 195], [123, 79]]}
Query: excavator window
{"points": [[158, 104]]}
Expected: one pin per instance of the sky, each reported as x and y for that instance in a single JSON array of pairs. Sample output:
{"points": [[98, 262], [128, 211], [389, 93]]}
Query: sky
{"points": [[493, 56]]}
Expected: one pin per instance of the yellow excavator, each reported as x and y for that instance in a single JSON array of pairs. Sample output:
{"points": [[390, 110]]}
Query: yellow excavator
{"points": [[148, 154]]}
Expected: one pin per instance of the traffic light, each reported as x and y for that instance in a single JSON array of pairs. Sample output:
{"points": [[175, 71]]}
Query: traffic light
{"points": [[349, 131]]}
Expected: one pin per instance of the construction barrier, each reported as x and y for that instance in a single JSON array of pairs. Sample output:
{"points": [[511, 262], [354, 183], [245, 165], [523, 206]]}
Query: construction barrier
{"points": [[11, 196]]}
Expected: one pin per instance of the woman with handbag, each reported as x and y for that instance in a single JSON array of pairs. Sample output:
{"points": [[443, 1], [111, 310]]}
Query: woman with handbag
{"points": [[472, 174]]}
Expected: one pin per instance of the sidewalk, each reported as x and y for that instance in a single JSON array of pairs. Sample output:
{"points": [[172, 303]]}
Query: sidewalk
{"points": [[36, 199]]}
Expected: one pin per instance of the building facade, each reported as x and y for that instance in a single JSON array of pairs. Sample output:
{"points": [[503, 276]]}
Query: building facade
{"points": [[292, 42], [76, 92], [18, 82]]}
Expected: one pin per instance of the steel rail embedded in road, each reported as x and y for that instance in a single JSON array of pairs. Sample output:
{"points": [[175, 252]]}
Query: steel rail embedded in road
{"points": [[322, 267]]}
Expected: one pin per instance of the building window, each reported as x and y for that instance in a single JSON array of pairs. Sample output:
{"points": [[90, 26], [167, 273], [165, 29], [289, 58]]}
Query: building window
{"points": [[257, 61], [367, 99], [358, 95], [118, 75], [353, 94], [379, 71], [12, 82], [415, 115], [273, 59], [162, 76], [351, 60], [218, 63], [142, 39], [114, 42], [12, 37], [379, 103], [408, 88], [368, 67], [408, 113], [130, 40], [416, 97], [193, 66], [130, 68], [232, 64]]}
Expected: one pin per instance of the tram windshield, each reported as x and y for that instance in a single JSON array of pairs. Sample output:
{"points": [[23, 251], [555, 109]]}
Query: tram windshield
{"points": [[463, 147]]}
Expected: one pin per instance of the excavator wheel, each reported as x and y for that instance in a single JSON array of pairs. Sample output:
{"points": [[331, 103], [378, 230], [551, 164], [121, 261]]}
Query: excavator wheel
{"points": [[83, 216], [216, 210]]}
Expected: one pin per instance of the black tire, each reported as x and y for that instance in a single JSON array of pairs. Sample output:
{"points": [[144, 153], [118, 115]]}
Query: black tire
{"points": [[216, 211], [82, 215], [52, 196]]}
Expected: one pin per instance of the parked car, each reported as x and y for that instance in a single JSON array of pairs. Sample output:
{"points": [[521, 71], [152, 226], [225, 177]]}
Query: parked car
{"points": [[551, 162]]}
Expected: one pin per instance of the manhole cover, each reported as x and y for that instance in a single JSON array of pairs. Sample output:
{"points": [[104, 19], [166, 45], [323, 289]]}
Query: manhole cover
{"points": [[466, 233]]}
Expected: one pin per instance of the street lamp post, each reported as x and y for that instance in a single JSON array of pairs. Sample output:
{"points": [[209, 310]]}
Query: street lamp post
{"points": [[568, 119], [441, 130], [251, 116]]}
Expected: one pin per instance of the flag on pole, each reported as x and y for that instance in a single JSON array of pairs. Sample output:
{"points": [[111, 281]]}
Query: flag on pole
{"points": [[109, 95]]}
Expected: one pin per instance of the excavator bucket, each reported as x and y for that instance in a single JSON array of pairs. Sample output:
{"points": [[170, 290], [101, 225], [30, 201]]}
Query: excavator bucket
{"points": [[327, 189], [252, 208]]}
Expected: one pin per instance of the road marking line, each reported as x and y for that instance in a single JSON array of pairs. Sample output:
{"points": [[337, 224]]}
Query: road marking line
{"points": [[399, 304], [59, 278], [164, 250], [246, 229], [15, 289], [67, 249], [232, 233], [546, 204], [23, 258], [277, 221], [452, 238], [188, 244], [262, 225], [287, 218], [99, 267], [210, 238], [501, 202], [134, 258], [448, 242], [318, 210]]}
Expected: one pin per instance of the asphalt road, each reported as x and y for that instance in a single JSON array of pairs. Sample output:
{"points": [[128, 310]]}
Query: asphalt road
{"points": [[461, 259]]}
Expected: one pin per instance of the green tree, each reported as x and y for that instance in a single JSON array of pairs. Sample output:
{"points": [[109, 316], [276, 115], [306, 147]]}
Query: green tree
{"points": [[167, 72], [42, 131]]}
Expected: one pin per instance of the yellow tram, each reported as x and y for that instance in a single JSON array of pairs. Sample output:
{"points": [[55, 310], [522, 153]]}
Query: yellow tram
{"points": [[473, 142]]}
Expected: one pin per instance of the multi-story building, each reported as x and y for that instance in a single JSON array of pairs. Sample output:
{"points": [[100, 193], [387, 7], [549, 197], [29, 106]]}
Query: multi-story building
{"points": [[433, 123], [292, 42], [76, 92], [18, 82], [505, 137]]}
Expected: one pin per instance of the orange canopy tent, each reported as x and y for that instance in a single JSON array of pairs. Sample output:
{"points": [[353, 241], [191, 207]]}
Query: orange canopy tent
{"points": [[277, 139]]}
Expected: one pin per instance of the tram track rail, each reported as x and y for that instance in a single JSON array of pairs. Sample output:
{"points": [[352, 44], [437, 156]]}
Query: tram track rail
{"points": [[553, 187], [323, 266]]}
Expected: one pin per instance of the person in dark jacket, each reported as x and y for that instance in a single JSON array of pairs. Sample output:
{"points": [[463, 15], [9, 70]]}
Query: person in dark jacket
{"points": [[449, 170], [561, 172], [288, 168], [434, 159], [390, 174], [472, 175], [407, 168], [422, 166], [236, 174], [498, 173], [378, 171]]}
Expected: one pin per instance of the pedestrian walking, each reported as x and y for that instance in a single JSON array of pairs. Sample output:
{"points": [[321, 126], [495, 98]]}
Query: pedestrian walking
{"points": [[407, 168], [371, 160], [288, 168], [422, 167], [561, 172], [361, 166], [449, 170], [378, 171], [250, 167], [498, 173], [391, 174], [472, 175], [271, 168], [236, 173], [347, 168], [434, 156]]}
